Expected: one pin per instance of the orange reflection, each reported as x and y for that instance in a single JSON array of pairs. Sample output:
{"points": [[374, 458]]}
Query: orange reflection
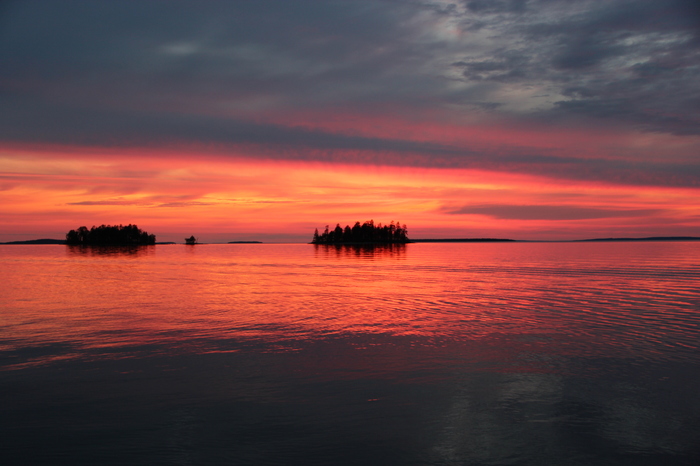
{"points": [[533, 306], [118, 251], [366, 251]]}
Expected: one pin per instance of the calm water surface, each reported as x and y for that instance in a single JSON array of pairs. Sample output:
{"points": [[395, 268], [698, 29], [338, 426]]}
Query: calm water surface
{"points": [[436, 354]]}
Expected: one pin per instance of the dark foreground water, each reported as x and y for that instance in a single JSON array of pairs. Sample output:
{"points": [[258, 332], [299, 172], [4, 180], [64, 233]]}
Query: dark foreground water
{"points": [[441, 354]]}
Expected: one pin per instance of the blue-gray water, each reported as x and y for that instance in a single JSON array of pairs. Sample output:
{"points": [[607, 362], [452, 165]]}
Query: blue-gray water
{"points": [[436, 354]]}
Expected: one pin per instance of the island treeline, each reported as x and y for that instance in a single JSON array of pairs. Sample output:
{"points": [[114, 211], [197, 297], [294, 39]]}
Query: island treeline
{"points": [[110, 235], [366, 232]]}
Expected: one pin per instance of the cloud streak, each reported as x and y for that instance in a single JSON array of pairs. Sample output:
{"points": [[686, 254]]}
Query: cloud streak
{"points": [[279, 142], [550, 212]]}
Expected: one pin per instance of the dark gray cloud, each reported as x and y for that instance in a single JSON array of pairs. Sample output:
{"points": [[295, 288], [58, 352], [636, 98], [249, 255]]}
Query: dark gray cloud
{"points": [[237, 56], [550, 212], [496, 6], [508, 67], [148, 73], [634, 63]]}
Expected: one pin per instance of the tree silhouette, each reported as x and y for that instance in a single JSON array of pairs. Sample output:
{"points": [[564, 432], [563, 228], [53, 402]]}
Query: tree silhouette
{"points": [[109, 235], [367, 232]]}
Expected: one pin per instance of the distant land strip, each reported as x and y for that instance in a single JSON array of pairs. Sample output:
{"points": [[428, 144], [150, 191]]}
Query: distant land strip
{"points": [[431, 240], [463, 240], [58, 241], [38, 241], [651, 238]]}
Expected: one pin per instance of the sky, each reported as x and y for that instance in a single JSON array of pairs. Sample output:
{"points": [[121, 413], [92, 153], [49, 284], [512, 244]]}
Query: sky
{"points": [[263, 120]]}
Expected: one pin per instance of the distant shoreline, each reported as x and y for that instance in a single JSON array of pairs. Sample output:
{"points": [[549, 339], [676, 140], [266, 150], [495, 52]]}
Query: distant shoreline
{"points": [[651, 238], [429, 240], [500, 240], [38, 241], [463, 240]]}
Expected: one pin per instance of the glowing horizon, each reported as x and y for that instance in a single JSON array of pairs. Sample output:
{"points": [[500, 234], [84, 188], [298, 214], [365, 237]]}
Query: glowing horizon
{"points": [[464, 120], [245, 199]]}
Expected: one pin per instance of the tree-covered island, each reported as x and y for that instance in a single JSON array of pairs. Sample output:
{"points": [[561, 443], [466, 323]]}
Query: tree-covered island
{"points": [[110, 235], [363, 233]]}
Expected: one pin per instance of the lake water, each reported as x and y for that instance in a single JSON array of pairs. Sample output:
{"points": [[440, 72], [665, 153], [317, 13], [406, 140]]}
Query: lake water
{"points": [[431, 354]]}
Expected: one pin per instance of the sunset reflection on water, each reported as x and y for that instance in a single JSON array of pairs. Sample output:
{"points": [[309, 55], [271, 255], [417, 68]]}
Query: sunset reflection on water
{"points": [[455, 344], [566, 299]]}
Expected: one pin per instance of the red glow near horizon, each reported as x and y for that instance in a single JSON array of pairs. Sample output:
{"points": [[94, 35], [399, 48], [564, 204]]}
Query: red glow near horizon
{"points": [[226, 194]]}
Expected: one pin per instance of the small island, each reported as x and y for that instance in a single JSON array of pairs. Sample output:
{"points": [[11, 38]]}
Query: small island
{"points": [[110, 235], [365, 233]]}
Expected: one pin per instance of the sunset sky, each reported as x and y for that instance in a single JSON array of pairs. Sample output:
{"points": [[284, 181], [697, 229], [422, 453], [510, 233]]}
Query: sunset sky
{"points": [[262, 120]]}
